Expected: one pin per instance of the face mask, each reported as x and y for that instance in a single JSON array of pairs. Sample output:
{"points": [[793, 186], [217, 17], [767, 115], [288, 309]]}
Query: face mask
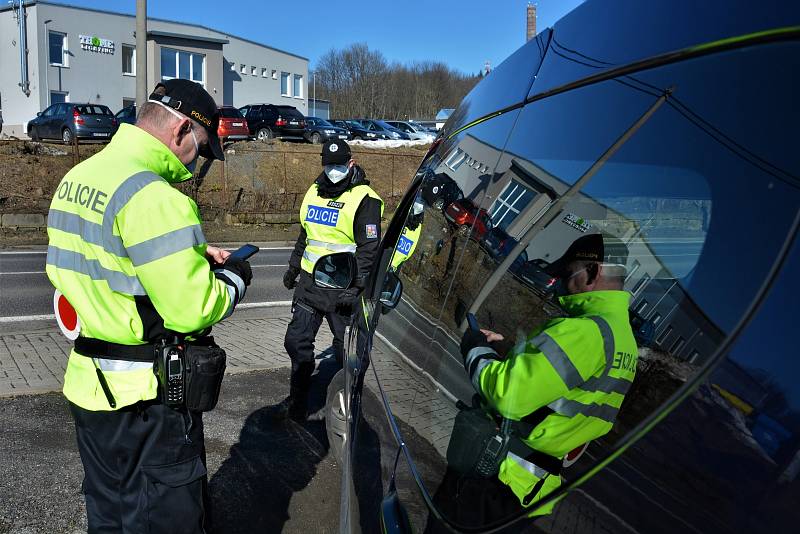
{"points": [[336, 173], [192, 164]]}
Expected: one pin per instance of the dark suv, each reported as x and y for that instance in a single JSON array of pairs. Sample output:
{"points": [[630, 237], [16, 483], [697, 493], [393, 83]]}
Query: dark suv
{"points": [[266, 121], [67, 121], [665, 127]]}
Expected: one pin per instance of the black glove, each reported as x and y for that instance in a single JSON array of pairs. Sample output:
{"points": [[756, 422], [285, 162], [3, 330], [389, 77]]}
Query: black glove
{"points": [[471, 339], [237, 274], [347, 299], [290, 277]]}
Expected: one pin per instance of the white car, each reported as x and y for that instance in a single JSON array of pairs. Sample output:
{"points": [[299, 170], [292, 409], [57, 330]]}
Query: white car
{"points": [[415, 131]]}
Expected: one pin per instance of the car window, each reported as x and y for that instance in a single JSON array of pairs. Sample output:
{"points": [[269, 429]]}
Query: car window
{"points": [[93, 110], [672, 206], [244, 110], [49, 112], [230, 113]]}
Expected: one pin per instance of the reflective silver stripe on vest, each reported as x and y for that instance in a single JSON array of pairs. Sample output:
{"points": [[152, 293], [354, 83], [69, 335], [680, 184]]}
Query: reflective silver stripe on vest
{"points": [[310, 256], [571, 408], [77, 262], [531, 468], [123, 194], [88, 231], [605, 383], [608, 340], [333, 247], [121, 365], [166, 244], [558, 359]]}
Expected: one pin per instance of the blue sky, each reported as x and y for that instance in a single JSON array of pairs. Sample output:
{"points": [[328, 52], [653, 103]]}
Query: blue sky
{"points": [[464, 34]]}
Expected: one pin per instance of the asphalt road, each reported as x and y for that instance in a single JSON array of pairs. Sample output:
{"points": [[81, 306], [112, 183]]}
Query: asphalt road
{"points": [[26, 291], [265, 475]]}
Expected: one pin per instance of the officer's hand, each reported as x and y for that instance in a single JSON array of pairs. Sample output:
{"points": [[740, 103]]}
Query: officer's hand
{"points": [[237, 274], [347, 299], [217, 255], [290, 277], [471, 339]]}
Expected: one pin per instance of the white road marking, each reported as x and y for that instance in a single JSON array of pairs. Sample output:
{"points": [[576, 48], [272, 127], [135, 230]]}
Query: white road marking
{"points": [[25, 272], [51, 317], [11, 253]]}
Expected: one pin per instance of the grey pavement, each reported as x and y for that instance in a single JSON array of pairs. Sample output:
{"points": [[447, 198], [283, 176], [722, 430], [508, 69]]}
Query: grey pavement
{"points": [[34, 361]]}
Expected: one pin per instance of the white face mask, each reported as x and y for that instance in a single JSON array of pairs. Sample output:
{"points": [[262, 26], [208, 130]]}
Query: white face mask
{"points": [[336, 173], [192, 164]]}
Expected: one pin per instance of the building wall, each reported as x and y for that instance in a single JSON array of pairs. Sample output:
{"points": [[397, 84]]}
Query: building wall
{"points": [[97, 77]]}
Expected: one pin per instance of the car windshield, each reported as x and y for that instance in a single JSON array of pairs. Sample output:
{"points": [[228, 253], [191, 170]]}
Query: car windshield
{"points": [[355, 123], [322, 122], [230, 113], [384, 125], [93, 110]]}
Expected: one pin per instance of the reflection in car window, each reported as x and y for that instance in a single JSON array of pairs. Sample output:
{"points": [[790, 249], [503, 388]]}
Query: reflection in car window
{"points": [[691, 201]]}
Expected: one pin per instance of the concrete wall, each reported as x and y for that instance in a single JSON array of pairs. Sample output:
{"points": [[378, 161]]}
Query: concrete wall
{"points": [[18, 108]]}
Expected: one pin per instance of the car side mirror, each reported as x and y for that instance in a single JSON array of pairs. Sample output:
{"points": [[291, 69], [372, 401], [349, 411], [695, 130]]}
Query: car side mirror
{"points": [[38, 113], [335, 271], [392, 291]]}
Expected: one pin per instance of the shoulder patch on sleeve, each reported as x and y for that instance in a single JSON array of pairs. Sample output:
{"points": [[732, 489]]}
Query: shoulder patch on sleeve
{"points": [[372, 231]]}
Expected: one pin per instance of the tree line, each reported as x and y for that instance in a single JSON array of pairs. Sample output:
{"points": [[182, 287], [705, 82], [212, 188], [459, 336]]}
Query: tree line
{"points": [[360, 82]]}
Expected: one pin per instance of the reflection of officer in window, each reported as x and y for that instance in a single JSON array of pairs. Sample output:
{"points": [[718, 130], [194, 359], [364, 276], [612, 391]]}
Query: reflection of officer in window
{"points": [[407, 243], [340, 213], [562, 388]]}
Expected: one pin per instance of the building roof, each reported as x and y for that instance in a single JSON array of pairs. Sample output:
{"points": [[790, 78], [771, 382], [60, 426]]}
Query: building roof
{"points": [[30, 3], [158, 33]]}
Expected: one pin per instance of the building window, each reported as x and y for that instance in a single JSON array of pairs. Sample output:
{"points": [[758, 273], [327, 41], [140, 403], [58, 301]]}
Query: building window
{"points": [[128, 60], [254, 71], [233, 67], [58, 49], [243, 68], [298, 86], [634, 267], [694, 356], [264, 72], [640, 284], [641, 307], [655, 319], [664, 335], [128, 102], [58, 97], [274, 74], [677, 346], [455, 159], [514, 198], [181, 64], [285, 84]]}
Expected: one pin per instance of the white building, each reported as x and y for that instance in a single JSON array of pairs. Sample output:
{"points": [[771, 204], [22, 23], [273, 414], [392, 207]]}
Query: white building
{"points": [[76, 54]]}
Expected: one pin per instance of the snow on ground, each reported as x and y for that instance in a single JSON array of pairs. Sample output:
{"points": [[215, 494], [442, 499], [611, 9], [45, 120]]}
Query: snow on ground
{"points": [[382, 143]]}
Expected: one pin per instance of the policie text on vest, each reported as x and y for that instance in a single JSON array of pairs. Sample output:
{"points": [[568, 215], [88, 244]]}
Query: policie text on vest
{"points": [[86, 196]]}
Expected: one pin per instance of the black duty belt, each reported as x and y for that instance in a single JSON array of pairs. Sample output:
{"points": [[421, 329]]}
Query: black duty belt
{"points": [[99, 348]]}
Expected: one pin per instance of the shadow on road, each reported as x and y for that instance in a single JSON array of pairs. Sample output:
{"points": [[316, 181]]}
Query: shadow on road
{"points": [[273, 459]]}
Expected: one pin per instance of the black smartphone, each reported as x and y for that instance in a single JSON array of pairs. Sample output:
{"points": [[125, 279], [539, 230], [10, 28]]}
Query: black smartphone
{"points": [[244, 252], [472, 322]]}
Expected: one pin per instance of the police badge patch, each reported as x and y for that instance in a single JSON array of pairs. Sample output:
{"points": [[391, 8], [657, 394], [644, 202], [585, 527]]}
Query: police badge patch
{"points": [[372, 231]]}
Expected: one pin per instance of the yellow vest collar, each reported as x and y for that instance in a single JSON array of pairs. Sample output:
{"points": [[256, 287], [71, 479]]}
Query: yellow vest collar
{"points": [[150, 152], [595, 302]]}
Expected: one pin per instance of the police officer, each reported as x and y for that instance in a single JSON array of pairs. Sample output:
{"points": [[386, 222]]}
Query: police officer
{"points": [[412, 229], [340, 213], [127, 250], [562, 388]]}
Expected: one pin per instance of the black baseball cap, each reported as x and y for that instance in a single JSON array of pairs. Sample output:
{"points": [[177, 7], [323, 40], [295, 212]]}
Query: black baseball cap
{"points": [[335, 152], [192, 100], [585, 248]]}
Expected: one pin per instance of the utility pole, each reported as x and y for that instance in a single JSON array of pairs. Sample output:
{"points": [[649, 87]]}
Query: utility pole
{"points": [[141, 53], [314, 98]]}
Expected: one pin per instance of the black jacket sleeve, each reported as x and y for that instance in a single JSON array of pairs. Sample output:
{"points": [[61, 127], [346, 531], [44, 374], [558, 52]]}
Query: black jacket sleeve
{"points": [[299, 248], [367, 231]]}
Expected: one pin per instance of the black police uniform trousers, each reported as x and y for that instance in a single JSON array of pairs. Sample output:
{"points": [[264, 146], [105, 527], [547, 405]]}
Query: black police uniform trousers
{"points": [[144, 469], [299, 343]]}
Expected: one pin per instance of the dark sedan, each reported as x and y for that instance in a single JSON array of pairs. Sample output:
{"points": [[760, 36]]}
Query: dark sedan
{"points": [[319, 130], [66, 121], [358, 131]]}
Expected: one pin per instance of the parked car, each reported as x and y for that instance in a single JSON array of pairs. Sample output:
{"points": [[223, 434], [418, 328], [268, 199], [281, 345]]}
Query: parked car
{"points": [[378, 126], [534, 274], [440, 190], [126, 115], [232, 126], [413, 130], [266, 121], [358, 131], [68, 120], [471, 220], [663, 126], [319, 130]]}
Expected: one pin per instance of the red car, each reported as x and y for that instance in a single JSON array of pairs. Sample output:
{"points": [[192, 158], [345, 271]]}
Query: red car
{"points": [[232, 125], [469, 217]]}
